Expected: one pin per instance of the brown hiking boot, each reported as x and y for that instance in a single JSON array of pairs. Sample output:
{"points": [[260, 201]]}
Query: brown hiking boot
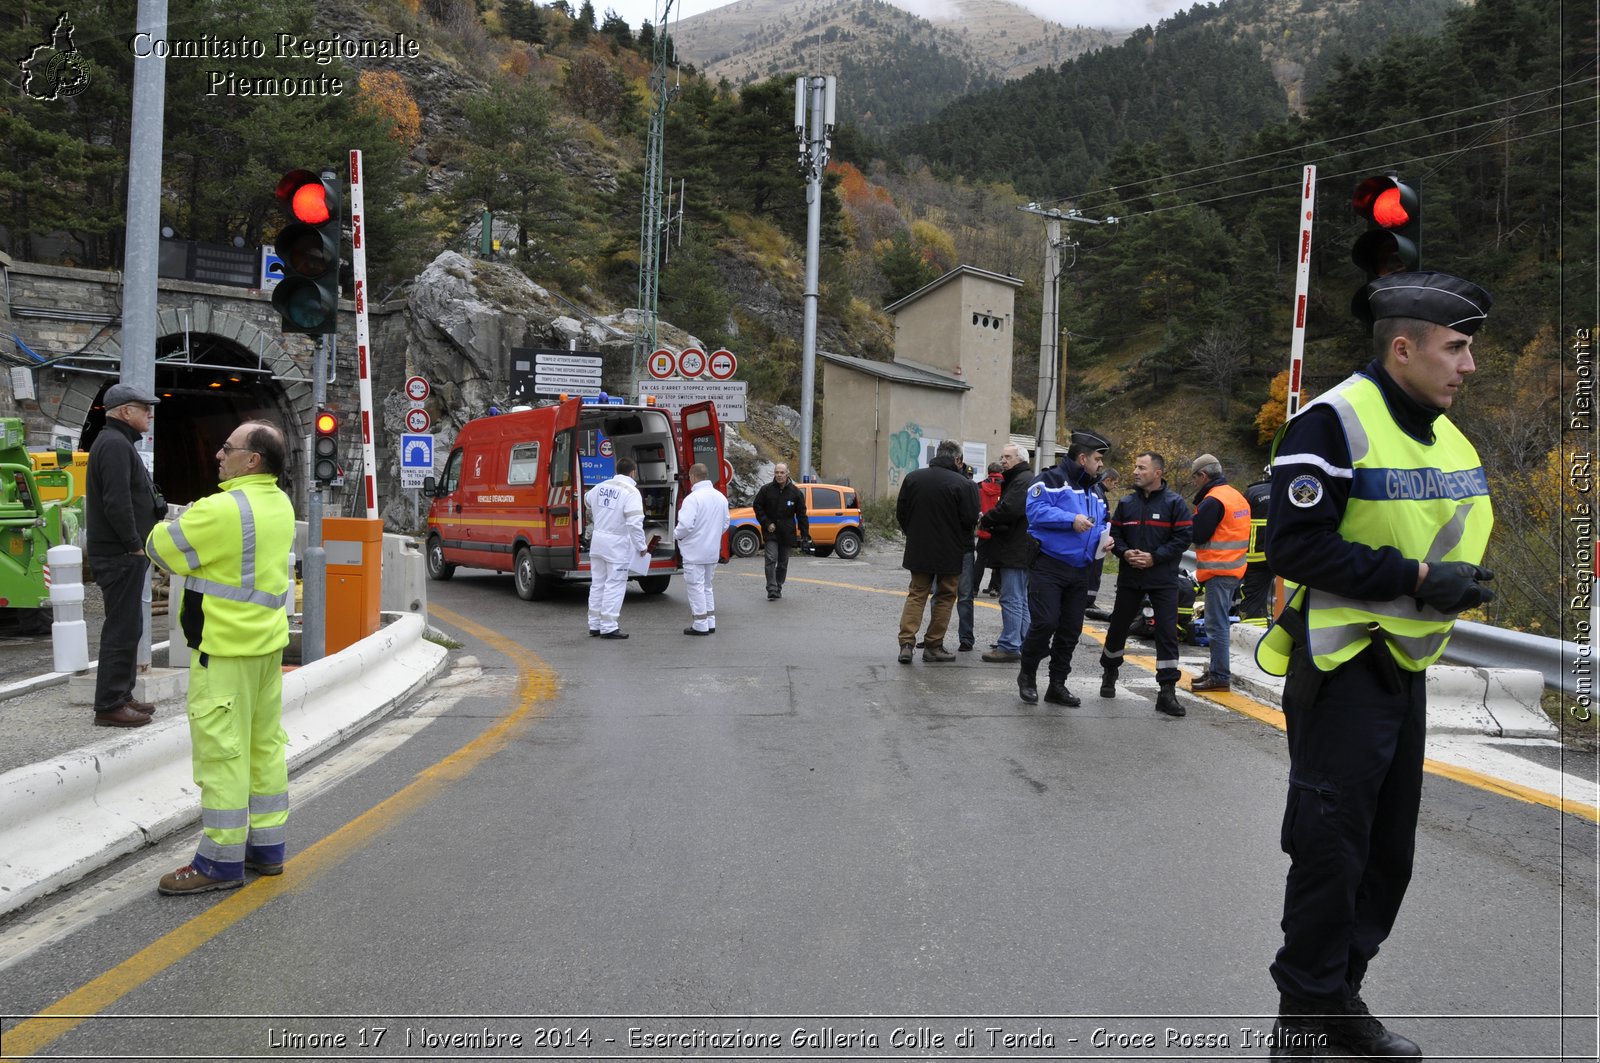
{"points": [[187, 880], [935, 652]]}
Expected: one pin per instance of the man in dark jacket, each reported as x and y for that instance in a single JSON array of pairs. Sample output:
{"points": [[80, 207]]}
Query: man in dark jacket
{"points": [[1009, 549], [120, 510], [938, 512], [1150, 530], [780, 508], [1068, 518]]}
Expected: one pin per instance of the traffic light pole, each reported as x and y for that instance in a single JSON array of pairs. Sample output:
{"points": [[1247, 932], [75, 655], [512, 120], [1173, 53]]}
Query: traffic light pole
{"points": [[313, 619]]}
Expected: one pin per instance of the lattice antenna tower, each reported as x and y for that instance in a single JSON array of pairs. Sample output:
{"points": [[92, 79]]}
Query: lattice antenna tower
{"points": [[651, 215]]}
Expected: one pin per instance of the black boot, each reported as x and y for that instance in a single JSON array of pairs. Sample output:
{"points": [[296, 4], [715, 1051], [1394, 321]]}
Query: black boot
{"points": [[1357, 1033], [1167, 701], [1027, 688], [1108, 684], [1301, 1032], [1058, 694]]}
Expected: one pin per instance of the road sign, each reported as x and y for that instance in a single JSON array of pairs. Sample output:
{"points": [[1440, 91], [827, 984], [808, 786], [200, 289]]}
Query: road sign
{"points": [[692, 362], [416, 460], [417, 419], [722, 364], [417, 389], [662, 364], [271, 268], [676, 394]]}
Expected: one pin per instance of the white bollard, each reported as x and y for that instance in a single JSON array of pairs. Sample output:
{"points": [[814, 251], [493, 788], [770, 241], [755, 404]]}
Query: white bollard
{"points": [[69, 634]]}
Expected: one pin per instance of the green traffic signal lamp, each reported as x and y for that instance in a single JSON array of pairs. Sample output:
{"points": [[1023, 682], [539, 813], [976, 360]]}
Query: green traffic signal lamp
{"points": [[307, 298], [1393, 241]]}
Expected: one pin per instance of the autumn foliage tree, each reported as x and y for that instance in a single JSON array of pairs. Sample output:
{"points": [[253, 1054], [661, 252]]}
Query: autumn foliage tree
{"points": [[384, 93]]}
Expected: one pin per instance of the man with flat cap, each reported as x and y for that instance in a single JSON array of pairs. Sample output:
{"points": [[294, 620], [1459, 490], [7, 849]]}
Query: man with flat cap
{"points": [[1378, 521], [120, 509]]}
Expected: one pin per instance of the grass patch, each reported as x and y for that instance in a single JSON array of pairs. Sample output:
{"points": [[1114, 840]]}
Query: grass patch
{"points": [[878, 515], [438, 638], [1579, 724]]}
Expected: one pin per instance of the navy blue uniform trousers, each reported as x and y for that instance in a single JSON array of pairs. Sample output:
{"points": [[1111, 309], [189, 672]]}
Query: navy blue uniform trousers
{"points": [[1128, 608], [1058, 593], [1350, 827]]}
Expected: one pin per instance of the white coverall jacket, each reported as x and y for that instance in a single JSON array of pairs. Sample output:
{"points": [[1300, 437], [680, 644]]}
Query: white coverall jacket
{"points": [[616, 520], [702, 519]]}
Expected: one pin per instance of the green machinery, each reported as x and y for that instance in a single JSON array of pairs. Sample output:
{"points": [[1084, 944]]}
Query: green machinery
{"points": [[29, 524]]}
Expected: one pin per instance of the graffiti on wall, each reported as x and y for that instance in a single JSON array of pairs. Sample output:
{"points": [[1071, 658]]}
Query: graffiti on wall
{"points": [[905, 453]]}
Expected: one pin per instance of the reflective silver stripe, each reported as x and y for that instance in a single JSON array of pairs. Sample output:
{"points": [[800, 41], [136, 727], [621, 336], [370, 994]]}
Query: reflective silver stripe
{"points": [[247, 591], [264, 836], [247, 533], [181, 541], [1329, 640], [236, 594], [1226, 566], [224, 818], [1109, 653], [1226, 544], [1449, 536], [269, 802], [1355, 433], [220, 854], [1166, 664]]}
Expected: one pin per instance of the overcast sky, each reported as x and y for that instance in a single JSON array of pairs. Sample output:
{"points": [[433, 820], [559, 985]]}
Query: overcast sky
{"points": [[1066, 12]]}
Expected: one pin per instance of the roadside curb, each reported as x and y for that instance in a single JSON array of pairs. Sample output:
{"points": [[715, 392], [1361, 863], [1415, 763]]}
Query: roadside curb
{"points": [[75, 813]]}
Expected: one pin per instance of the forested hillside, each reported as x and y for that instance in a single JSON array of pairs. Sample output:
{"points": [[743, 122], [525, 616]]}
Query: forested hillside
{"points": [[1175, 319]]}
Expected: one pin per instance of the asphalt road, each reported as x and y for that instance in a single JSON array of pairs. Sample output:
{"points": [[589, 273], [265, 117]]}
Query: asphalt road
{"points": [[780, 833]]}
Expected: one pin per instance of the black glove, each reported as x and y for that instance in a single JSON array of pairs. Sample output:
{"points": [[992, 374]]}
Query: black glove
{"points": [[806, 547], [1451, 586]]}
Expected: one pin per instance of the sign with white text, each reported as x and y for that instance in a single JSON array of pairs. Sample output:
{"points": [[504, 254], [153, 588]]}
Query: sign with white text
{"points": [[730, 396]]}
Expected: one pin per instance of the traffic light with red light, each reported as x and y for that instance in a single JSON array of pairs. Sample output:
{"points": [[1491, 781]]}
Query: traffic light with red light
{"points": [[1393, 240], [307, 298], [325, 447]]}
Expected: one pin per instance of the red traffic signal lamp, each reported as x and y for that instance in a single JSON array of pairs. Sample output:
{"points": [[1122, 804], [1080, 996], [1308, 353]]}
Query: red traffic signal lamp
{"points": [[325, 447], [307, 298], [1393, 240]]}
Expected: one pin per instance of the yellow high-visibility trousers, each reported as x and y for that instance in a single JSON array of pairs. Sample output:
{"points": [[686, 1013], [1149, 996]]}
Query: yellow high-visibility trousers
{"points": [[236, 726]]}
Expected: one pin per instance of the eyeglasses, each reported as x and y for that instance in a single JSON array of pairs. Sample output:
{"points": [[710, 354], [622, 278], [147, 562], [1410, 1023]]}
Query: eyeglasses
{"points": [[229, 448]]}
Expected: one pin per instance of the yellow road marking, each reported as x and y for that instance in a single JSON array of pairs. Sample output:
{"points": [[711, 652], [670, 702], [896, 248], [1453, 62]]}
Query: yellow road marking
{"points": [[537, 685], [1245, 705]]}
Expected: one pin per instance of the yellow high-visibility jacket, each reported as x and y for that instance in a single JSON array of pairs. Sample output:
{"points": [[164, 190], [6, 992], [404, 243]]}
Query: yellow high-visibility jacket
{"points": [[232, 548]]}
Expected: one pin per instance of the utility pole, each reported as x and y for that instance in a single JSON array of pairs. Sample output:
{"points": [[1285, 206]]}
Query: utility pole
{"points": [[1051, 378], [814, 94], [141, 251], [650, 221]]}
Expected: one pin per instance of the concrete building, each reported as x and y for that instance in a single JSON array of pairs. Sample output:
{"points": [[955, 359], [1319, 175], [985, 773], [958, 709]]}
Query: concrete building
{"points": [[950, 379]]}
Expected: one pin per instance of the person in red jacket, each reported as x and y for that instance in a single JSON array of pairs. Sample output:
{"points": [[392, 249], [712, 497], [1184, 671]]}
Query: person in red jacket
{"points": [[988, 494]]}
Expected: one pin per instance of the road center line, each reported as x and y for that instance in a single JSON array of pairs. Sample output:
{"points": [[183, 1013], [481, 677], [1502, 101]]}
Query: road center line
{"points": [[536, 687]]}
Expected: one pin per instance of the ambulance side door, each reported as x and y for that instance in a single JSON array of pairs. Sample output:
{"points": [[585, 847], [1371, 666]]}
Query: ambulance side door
{"points": [[564, 488], [700, 440]]}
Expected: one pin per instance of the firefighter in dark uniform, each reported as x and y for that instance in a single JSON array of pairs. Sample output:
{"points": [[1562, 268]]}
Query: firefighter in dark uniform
{"points": [[1256, 603], [1150, 530], [1379, 518]]}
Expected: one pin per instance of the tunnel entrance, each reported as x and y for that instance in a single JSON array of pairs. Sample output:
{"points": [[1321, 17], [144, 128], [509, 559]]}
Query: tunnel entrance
{"points": [[207, 385]]}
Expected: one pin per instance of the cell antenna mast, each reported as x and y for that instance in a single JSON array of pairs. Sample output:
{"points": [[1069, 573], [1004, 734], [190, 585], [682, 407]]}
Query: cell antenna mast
{"points": [[650, 221]]}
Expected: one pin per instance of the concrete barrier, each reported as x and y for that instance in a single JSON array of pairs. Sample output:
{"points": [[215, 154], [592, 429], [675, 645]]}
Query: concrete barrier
{"points": [[1503, 702], [78, 812]]}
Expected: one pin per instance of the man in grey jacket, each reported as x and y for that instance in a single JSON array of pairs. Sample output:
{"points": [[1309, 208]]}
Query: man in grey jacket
{"points": [[120, 504]]}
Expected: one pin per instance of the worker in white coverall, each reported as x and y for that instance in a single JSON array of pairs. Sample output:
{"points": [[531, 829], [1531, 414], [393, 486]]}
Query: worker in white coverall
{"points": [[702, 521], [232, 548], [616, 537]]}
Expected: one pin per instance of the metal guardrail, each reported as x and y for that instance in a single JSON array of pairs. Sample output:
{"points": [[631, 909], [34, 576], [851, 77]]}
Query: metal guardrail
{"points": [[1566, 666]]}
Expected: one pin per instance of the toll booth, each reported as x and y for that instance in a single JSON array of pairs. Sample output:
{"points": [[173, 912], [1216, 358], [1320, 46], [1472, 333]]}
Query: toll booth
{"points": [[354, 547]]}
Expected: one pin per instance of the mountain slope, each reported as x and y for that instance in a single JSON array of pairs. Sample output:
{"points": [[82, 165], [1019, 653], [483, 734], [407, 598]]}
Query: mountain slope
{"points": [[894, 67]]}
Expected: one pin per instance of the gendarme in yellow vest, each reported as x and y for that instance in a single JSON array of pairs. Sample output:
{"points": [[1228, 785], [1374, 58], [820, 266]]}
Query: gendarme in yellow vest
{"points": [[1431, 502]]}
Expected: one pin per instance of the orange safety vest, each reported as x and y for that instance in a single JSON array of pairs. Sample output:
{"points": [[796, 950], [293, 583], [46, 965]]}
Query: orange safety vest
{"points": [[1224, 554]]}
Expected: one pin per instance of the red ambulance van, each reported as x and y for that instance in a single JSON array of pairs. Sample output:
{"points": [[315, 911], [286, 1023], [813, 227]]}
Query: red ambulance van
{"points": [[511, 494]]}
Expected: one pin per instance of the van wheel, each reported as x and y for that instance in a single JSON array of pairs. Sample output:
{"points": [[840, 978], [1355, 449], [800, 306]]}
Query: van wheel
{"points": [[654, 584], [847, 545], [532, 585], [745, 543], [438, 567]]}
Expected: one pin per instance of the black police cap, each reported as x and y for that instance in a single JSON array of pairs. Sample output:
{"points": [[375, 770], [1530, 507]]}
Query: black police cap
{"points": [[1090, 440], [1440, 298]]}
